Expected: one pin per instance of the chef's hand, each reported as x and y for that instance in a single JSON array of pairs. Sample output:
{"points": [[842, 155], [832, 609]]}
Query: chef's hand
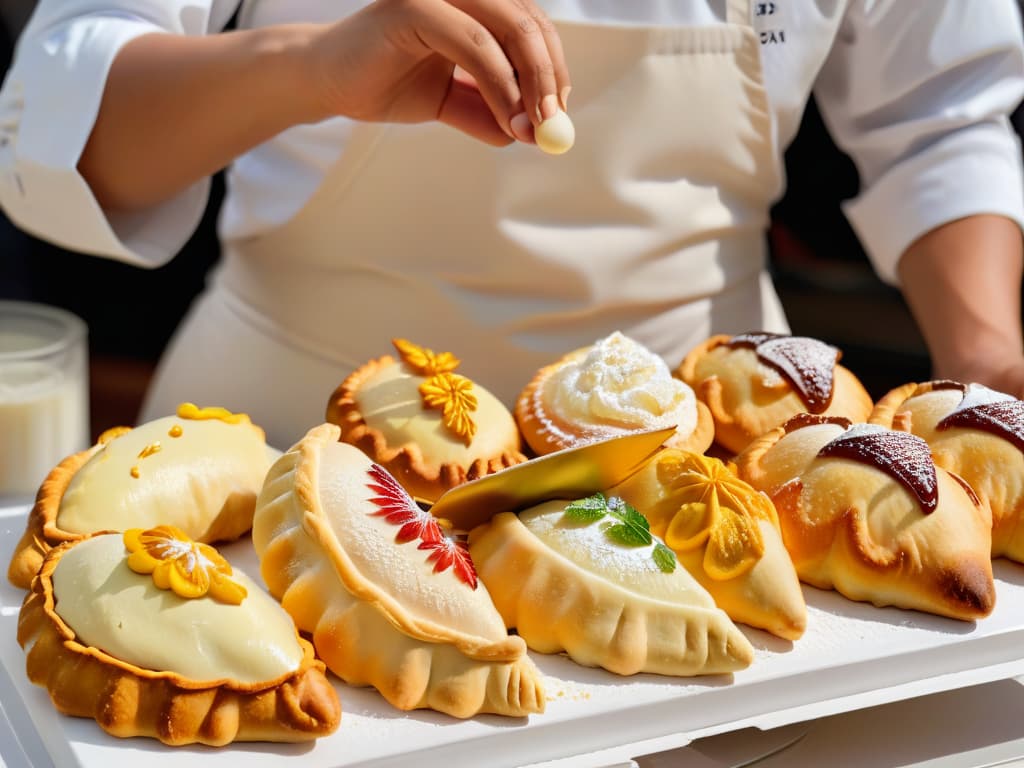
{"points": [[491, 68]]}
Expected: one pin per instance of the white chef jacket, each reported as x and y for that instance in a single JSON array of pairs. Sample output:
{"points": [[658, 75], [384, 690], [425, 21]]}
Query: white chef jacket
{"points": [[916, 92]]}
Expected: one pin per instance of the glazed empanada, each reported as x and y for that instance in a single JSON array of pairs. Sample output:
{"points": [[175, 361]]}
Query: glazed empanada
{"points": [[389, 599], [754, 382], [976, 433], [613, 387], [199, 470], [110, 635], [725, 533], [865, 511], [578, 577], [429, 426]]}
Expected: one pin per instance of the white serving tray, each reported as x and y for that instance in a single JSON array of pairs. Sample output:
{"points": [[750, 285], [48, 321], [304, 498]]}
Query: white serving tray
{"points": [[852, 656]]}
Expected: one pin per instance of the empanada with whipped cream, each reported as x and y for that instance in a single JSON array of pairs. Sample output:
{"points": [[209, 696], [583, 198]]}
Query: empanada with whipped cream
{"points": [[389, 599], [754, 382], [199, 470], [586, 577], [976, 433], [725, 533], [429, 426], [865, 511], [154, 635], [610, 388]]}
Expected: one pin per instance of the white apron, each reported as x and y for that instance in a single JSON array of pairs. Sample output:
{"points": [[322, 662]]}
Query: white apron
{"points": [[653, 224]]}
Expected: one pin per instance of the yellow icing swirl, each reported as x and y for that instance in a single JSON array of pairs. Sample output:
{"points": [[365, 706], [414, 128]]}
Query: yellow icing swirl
{"points": [[710, 504], [187, 568], [450, 392], [195, 413]]}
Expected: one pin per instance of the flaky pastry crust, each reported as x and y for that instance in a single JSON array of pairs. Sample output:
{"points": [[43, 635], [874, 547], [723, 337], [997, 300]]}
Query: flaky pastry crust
{"points": [[409, 462], [555, 605], [127, 700], [992, 465], [851, 527], [362, 631], [744, 407]]}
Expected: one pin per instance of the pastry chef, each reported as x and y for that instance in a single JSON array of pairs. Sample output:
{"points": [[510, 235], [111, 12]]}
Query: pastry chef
{"points": [[353, 217]]}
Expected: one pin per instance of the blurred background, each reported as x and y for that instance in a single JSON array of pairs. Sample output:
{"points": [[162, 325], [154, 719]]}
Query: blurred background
{"points": [[824, 279]]}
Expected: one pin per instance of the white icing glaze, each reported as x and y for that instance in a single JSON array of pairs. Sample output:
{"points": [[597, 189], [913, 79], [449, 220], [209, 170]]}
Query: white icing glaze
{"points": [[399, 570], [111, 607], [589, 547], [390, 402], [184, 483], [620, 386]]}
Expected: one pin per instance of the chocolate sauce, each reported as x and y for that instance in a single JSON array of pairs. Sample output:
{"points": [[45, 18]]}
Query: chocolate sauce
{"points": [[1004, 419], [903, 456], [808, 364]]}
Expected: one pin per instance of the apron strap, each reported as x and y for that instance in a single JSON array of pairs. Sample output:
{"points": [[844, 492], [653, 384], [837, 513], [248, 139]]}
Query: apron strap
{"points": [[739, 12]]}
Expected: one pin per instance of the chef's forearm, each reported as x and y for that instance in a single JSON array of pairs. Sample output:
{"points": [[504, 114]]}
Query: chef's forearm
{"points": [[962, 281], [177, 108]]}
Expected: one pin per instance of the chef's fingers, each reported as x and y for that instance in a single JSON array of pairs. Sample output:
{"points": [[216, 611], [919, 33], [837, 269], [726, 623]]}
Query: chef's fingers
{"points": [[531, 42], [464, 108], [467, 42]]}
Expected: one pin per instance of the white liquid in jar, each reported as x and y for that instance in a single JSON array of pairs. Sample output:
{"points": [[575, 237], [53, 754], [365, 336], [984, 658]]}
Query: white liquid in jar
{"points": [[44, 417]]}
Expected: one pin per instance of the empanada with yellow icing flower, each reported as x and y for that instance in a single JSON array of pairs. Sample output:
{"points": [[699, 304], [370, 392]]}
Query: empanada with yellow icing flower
{"points": [[586, 577], [754, 382], [724, 533], [218, 663], [610, 388], [865, 511], [976, 433], [429, 426], [199, 470], [389, 599]]}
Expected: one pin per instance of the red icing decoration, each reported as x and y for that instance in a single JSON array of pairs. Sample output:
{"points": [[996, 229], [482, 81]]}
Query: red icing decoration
{"points": [[398, 508], [901, 455], [448, 552]]}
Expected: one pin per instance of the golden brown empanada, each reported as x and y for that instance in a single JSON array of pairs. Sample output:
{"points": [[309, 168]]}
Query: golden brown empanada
{"points": [[754, 382], [609, 388], [108, 643], [390, 600], [976, 433], [199, 470], [865, 511], [577, 576], [725, 533], [430, 427]]}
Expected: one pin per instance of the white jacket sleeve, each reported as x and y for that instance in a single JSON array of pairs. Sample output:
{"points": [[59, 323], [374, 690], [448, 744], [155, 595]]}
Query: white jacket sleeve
{"points": [[919, 93], [48, 105]]}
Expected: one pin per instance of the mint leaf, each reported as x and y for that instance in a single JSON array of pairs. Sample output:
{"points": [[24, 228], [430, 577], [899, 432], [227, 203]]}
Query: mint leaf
{"points": [[588, 510], [630, 535], [664, 558]]}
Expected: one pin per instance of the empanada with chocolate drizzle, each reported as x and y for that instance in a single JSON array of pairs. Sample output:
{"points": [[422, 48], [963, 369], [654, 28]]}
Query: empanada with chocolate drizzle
{"points": [[753, 382], [978, 434], [865, 511]]}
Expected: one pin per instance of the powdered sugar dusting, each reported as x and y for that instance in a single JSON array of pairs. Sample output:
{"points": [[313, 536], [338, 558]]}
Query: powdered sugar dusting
{"points": [[991, 411], [808, 364], [903, 456]]}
